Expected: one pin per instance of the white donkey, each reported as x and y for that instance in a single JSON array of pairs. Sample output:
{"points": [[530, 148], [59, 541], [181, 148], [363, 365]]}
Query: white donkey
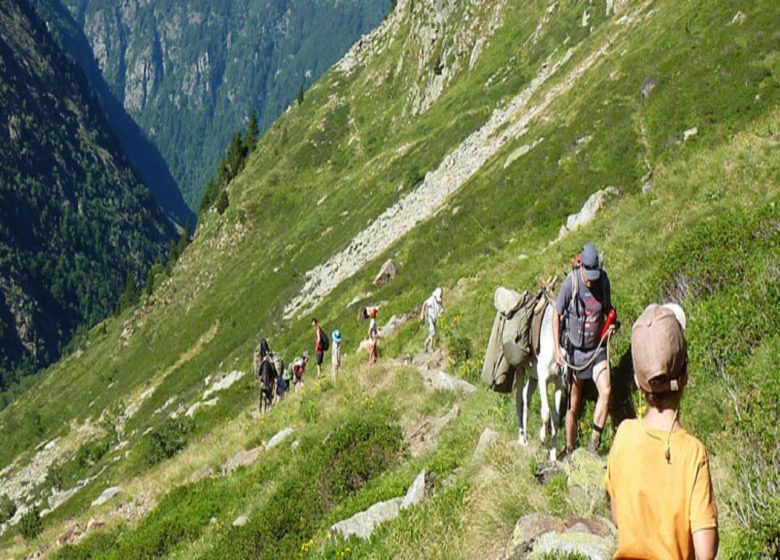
{"points": [[543, 370]]}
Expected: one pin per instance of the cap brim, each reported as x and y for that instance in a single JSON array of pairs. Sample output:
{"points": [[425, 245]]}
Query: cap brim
{"points": [[592, 273]]}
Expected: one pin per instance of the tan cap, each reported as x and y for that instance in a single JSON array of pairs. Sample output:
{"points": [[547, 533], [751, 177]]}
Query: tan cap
{"points": [[658, 348]]}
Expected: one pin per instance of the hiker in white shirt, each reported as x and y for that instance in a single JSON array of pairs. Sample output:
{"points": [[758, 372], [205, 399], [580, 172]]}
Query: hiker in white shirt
{"points": [[432, 309]]}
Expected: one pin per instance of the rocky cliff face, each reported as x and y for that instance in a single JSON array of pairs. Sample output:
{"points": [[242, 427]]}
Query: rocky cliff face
{"points": [[189, 73], [74, 218]]}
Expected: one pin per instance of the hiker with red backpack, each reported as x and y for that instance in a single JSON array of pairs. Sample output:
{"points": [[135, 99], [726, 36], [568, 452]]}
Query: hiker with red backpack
{"points": [[321, 344], [583, 306]]}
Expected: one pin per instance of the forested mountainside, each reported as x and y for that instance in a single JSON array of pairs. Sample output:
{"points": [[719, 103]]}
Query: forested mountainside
{"points": [[476, 144], [190, 73], [74, 218], [144, 156]]}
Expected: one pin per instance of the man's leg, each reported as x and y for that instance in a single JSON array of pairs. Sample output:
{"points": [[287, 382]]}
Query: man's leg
{"points": [[575, 404], [601, 377]]}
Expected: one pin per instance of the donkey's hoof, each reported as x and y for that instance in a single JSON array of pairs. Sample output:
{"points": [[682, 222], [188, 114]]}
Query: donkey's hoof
{"points": [[521, 439], [542, 435], [553, 455]]}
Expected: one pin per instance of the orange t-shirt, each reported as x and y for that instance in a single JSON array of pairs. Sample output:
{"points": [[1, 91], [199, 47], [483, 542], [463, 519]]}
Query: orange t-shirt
{"points": [[659, 505]]}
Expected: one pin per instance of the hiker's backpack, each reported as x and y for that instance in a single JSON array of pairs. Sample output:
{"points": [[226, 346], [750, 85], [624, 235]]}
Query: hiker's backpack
{"points": [[324, 341], [508, 348]]}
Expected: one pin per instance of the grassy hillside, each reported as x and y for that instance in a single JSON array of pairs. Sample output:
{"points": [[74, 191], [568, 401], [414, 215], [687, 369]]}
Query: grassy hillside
{"points": [[696, 221]]}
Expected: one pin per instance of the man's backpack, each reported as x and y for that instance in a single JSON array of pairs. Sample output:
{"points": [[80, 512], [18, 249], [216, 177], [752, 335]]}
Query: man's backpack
{"points": [[324, 341]]}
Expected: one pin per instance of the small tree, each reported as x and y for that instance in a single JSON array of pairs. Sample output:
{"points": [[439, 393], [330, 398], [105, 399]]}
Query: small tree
{"points": [[7, 508], [252, 132], [30, 525], [184, 238], [300, 95], [130, 294], [222, 202], [151, 277]]}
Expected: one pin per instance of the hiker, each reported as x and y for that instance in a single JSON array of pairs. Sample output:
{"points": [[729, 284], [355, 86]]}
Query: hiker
{"points": [[283, 377], [298, 369], [583, 303], [335, 355], [373, 337], [321, 344], [432, 309], [658, 475], [265, 372]]}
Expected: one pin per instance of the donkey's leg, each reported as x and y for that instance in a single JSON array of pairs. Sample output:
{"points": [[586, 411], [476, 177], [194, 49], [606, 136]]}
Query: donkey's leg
{"points": [[528, 392], [543, 373], [556, 415]]}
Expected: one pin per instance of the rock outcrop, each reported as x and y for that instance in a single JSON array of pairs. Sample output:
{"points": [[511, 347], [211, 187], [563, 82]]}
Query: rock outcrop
{"points": [[539, 534]]}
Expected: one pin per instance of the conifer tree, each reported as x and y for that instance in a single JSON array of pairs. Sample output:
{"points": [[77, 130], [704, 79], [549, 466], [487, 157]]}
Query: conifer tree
{"points": [[300, 95], [129, 295], [252, 132]]}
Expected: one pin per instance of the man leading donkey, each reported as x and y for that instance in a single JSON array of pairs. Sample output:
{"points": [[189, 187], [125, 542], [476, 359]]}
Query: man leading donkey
{"points": [[584, 303]]}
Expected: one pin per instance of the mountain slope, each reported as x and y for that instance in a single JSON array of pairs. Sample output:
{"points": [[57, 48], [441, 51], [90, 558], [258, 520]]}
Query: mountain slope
{"points": [[142, 153], [74, 219], [191, 74], [456, 138]]}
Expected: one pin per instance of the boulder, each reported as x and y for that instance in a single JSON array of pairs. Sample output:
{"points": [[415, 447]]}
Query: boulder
{"points": [[593, 547], [538, 535], [363, 524], [388, 271], [443, 380], [416, 492], [240, 521], [241, 459], [223, 383], [279, 437], [107, 494], [647, 87], [585, 478], [392, 325], [527, 530], [488, 438], [595, 202]]}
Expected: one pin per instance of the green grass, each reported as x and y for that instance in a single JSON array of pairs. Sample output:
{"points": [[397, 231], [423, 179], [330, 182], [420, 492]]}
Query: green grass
{"points": [[706, 236]]}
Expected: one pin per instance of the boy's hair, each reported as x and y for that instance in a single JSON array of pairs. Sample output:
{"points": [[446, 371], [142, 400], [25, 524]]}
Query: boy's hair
{"points": [[314, 321], [664, 399]]}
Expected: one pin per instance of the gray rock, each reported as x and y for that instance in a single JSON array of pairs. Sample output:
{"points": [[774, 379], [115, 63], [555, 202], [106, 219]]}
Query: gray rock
{"points": [[363, 524], [488, 438], [388, 271], [240, 521], [416, 492], [527, 530], [592, 546], [445, 381], [647, 187], [279, 438], [240, 459], [107, 494], [647, 87], [690, 133]]}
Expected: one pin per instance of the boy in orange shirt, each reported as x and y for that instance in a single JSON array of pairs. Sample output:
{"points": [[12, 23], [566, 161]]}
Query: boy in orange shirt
{"points": [[658, 475]]}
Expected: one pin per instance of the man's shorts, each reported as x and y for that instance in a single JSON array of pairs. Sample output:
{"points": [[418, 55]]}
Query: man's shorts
{"points": [[579, 357], [431, 326], [318, 357]]}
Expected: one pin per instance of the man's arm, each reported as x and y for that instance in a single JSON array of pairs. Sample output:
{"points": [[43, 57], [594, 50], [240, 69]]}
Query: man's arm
{"points": [[705, 543]]}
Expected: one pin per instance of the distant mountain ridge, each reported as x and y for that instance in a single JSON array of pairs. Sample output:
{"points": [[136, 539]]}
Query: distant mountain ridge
{"points": [[74, 218], [190, 73]]}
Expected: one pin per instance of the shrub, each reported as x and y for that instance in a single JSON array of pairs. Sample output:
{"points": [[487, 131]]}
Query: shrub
{"points": [[7, 508], [167, 439], [30, 525], [460, 348]]}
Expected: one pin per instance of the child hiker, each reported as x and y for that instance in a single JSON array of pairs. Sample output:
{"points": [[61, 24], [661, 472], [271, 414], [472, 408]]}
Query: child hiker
{"points": [[658, 475]]}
